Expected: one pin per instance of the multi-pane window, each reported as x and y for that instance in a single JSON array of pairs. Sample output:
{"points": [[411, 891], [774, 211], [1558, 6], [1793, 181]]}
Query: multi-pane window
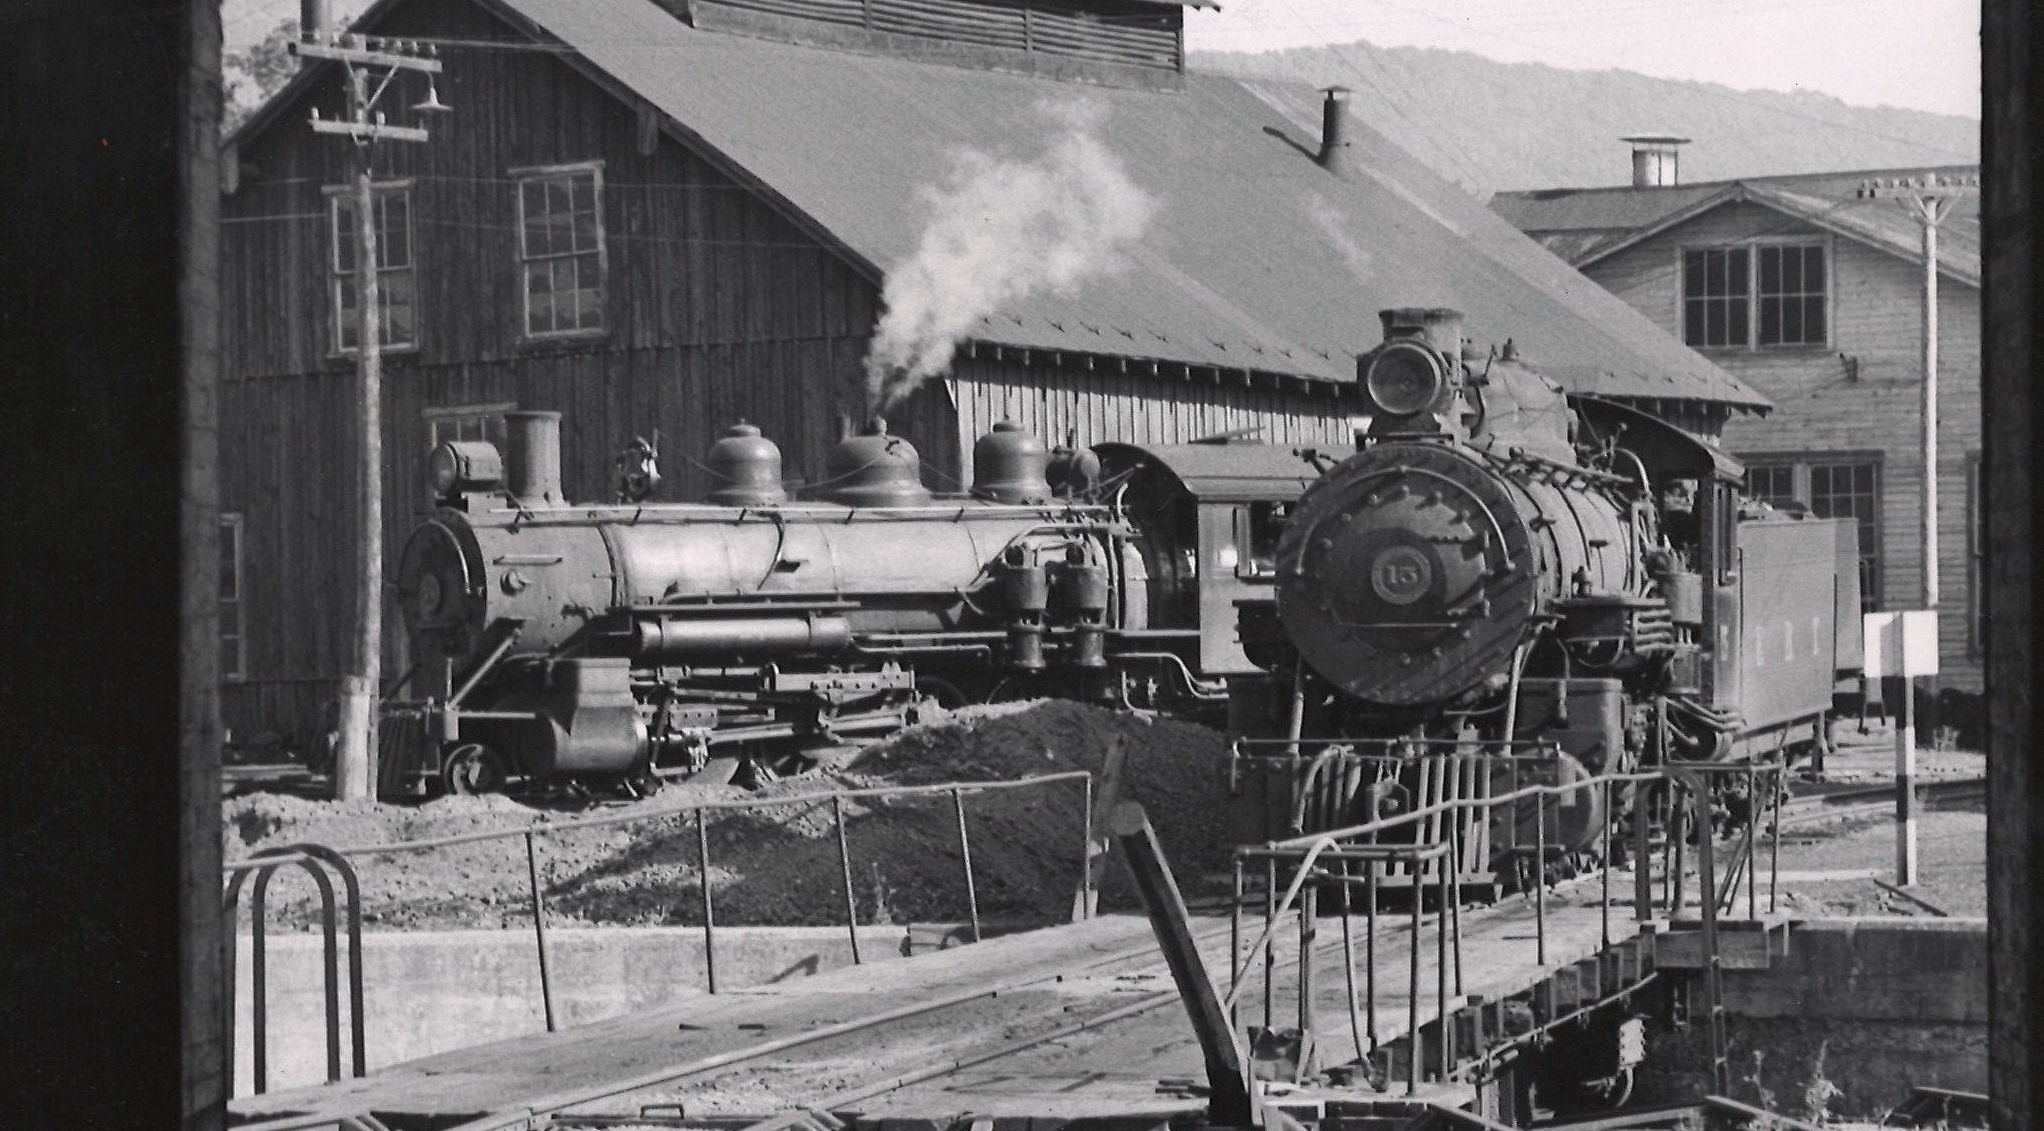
{"points": [[466, 422], [1715, 295], [1764, 295], [1772, 483], [1831, 487], [396, 274], [560, 247], [1791, 295], [233, 646]]}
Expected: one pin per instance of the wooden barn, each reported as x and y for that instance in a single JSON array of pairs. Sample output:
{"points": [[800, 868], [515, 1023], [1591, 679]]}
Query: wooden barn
{"points": [[661, 217]]}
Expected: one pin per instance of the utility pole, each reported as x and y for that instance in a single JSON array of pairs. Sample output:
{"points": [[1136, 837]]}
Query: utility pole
{"points": [[1929, 199], [372, 65]]}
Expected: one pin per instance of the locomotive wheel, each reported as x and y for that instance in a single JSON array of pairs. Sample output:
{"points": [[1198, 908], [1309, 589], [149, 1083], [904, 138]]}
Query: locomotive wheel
{"points": [[472, 769]]}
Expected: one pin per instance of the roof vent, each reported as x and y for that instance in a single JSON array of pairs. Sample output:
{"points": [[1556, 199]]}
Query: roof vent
{"points": [[1654, 159], [1333, 155]]}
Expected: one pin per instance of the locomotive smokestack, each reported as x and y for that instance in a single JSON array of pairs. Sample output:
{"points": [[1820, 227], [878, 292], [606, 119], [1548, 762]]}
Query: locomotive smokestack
{"points": [[1655, 159], [311, 18], [1440, 326], [533, 463], [1334, 147]]}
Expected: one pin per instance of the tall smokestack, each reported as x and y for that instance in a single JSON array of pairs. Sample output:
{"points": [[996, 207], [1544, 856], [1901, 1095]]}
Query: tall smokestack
{"points": [[1334, 155], [1654, 159], [532, 471], [311, 18]]}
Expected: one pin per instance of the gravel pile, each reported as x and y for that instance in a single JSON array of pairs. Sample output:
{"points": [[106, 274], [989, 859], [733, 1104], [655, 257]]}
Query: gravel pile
{"points": [[779, 865]]}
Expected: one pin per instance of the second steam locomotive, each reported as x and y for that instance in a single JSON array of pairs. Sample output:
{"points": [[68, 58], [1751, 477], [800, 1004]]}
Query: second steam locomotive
{"points": [[751, 634]]}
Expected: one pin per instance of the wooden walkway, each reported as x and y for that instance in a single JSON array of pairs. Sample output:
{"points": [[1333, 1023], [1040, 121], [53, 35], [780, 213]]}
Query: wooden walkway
{"points": [[1076, 1019]]}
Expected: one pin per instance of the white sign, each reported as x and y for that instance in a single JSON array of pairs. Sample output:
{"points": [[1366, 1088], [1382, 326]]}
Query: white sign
{"points": [[1901, 644]]}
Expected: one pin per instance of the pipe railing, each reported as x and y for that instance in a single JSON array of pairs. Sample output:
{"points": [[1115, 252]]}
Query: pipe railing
{"points": [[315, 859], [1328, 858]]}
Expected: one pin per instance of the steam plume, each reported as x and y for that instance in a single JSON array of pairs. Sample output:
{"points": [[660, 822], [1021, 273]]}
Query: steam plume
{"points": [[1002, 229], [1333, 225]]}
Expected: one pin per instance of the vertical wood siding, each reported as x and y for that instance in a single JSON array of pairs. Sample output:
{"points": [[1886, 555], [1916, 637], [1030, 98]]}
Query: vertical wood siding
{"points": [[718, 307]]}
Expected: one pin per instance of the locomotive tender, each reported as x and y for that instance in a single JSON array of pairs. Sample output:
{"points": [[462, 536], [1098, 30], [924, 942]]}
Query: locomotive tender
{"points": [[1507, 585]]}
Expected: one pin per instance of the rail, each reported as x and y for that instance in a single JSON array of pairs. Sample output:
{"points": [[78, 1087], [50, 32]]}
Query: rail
{"points": [[1429, 840], [316, 858]]}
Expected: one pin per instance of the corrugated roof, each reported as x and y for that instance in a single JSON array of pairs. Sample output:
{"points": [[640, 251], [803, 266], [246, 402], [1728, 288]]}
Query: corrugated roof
{"points": [[1584, 225], [1258, 258]]}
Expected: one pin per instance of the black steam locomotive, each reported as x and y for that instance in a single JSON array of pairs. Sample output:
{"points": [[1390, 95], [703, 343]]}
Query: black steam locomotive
{"points": [[1507, 585], [751, 634]]}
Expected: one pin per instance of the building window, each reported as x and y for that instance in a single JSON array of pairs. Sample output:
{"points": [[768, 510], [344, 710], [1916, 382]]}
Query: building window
{"points": [[1763, 296], [396, 275], [466, 422], [560, 248], [1831, 486], [233, 645], [1715, 296]]}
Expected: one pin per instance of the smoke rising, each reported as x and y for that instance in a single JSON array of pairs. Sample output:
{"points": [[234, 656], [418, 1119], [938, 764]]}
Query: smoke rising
{"points": [[1332, 224], [1001, 230]]}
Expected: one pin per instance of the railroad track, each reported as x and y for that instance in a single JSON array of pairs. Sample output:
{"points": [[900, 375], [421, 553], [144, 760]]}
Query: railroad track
{"points": [[1033, 1017], [1876, 800]]}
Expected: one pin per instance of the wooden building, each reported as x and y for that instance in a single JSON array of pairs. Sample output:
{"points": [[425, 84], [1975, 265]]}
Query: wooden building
{"points": [[1813, 294], [663, 217]]}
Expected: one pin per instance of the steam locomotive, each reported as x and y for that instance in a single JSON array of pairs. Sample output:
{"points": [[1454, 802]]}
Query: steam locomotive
{"points": [[1506, 585], [752, 635]]}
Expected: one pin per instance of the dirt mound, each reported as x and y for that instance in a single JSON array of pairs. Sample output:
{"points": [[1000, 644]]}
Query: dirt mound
{"points": [[780, 864]]}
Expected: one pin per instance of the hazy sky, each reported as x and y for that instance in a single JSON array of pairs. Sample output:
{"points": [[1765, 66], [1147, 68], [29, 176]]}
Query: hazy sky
{"points": [[1920, 54]]}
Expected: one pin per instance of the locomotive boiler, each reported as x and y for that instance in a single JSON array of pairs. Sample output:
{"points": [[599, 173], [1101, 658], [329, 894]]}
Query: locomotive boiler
{"points": [[627, 642], [1505, 586]]}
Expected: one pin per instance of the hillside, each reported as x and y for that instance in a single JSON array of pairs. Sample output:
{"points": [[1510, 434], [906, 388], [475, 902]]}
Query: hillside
{"points": [[1493, 125]]}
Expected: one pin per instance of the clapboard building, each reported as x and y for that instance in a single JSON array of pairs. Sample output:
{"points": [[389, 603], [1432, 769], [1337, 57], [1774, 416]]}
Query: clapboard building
{"points": [[666, 216], [1812, 293]]}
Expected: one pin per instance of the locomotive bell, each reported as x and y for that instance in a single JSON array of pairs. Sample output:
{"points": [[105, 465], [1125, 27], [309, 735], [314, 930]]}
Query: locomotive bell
{"points": [[1009, 464], [874, 469], [746, 469]]}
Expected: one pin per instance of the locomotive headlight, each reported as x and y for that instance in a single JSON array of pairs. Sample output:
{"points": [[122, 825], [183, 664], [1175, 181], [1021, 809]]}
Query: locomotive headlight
{"points": [[464, 465], [1405, 377]]}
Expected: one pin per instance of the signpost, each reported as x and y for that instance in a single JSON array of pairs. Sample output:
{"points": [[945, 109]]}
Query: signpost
{"points": [[1903, 644]]}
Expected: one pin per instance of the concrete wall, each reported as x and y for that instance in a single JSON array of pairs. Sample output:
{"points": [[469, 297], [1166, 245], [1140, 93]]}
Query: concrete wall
{"points": [[1856, 1013], [428, 992]]}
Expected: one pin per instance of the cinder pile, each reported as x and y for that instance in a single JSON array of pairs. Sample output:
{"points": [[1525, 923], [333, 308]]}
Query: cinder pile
{"points": [[780, 865]]}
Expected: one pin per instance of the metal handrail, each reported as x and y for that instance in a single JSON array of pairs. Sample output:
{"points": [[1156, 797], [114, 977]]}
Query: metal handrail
{"points": [[315, 859], [1348, 845]]}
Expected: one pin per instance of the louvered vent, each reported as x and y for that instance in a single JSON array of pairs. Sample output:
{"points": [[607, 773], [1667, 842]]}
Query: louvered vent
{"points": [[1039, 36]]}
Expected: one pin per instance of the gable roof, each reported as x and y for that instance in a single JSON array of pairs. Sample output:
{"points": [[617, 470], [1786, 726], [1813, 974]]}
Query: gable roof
{"points": [[1257, 260], [1586, 225]]}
